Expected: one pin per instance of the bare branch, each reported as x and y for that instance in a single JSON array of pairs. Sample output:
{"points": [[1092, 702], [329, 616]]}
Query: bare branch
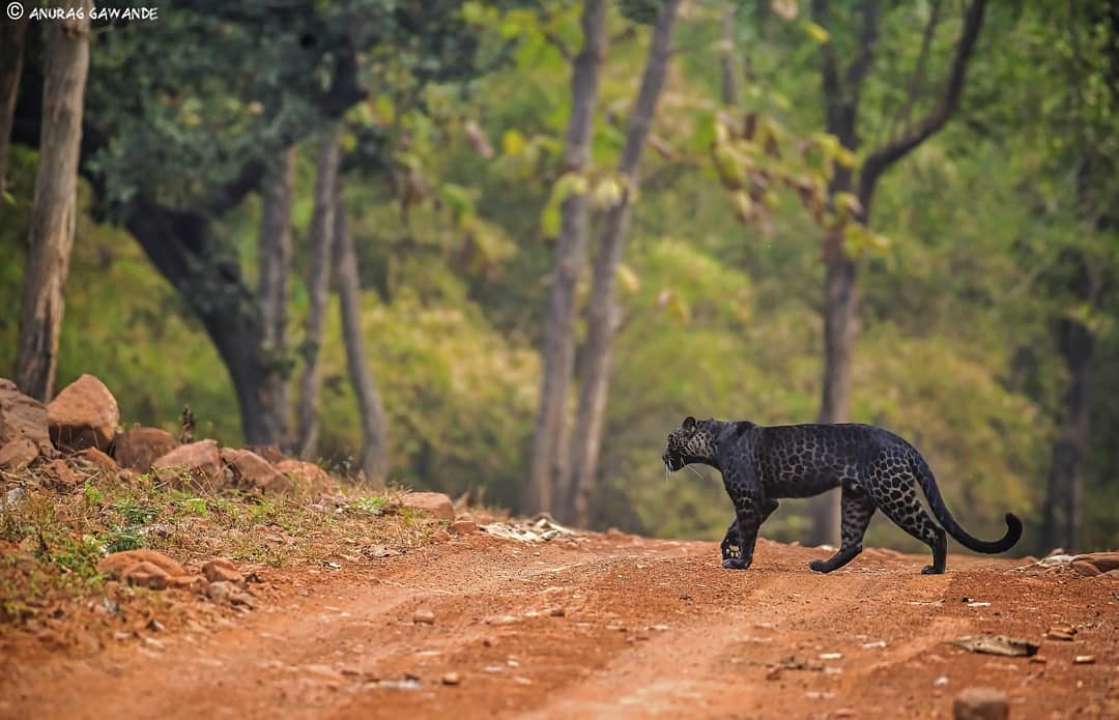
{"points": [[894, 150]]}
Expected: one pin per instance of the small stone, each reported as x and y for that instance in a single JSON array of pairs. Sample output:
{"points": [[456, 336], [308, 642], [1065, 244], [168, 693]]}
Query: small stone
{"points": [[981, 703], [307, 477], [191, 583], [63, 477], [222, 570], [1061, 632], [138, 448], [226, 592], [423, 616], [197, 465], [941, 681], [115, 564], [463, 527], [252, 472], [147, 575], [18, 453], [1085, 660], [155, 625], [451, 678], [501, 620], [438, 505], [99, 460], [558, 612]]}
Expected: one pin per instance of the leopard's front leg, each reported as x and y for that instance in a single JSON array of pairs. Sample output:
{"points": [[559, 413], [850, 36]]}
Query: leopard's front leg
{"points": [[730, 546], [748, 519]]}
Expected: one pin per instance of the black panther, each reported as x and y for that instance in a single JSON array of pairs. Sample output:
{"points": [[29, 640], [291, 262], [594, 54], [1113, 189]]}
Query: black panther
{"points": [[876, 469]]}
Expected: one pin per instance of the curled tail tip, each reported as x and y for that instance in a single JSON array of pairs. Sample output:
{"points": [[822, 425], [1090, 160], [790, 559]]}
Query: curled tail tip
{"points": [[1014, 528]]}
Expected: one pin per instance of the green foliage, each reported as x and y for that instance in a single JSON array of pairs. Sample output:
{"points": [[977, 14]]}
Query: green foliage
{"points": [[455, 182]]}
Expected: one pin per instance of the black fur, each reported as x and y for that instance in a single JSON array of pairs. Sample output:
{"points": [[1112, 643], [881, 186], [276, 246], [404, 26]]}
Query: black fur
{"points": [[876, 470]]}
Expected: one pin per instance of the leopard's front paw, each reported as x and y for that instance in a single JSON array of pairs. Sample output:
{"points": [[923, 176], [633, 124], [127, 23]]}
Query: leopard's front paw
{"points": [[736, 563], [820, 566]]}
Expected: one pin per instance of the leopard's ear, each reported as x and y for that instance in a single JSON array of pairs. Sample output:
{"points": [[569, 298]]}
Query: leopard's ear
{"points": [[688, 424]]}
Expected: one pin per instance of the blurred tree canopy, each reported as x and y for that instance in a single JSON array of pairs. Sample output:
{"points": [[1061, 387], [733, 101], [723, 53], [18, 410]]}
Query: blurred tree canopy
{"points": [[453, 117]]}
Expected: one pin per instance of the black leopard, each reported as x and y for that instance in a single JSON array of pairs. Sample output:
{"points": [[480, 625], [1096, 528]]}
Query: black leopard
{"points": [[876, 469]]}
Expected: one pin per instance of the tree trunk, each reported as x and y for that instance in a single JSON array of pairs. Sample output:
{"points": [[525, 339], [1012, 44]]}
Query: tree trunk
{"points": [[54, 207], [318, 288], [12, 33], [550, 446], [841, 329], [275, 266], [603, 312], [374, 427], [842, 93]]}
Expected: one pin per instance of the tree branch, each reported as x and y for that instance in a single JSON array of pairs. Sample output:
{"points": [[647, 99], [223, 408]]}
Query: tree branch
{"points": [[894, 150]]}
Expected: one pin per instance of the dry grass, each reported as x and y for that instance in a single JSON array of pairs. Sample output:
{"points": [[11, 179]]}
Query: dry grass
{"points": [[51, 540]]}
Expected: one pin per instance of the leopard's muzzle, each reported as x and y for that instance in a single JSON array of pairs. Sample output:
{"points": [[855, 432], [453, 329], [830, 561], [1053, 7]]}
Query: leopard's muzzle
{"points": [[672, 462]]}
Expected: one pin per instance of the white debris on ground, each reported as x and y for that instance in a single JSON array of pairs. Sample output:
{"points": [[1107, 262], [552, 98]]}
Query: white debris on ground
{"points": [[541, 528]]}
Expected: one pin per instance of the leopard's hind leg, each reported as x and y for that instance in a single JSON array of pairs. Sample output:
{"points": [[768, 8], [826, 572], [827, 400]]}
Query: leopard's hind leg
{"points": [[894, 489], [857, 509]]}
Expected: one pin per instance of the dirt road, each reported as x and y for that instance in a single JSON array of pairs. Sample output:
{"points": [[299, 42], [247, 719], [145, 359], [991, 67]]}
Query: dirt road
{"points": [[607, 626]]}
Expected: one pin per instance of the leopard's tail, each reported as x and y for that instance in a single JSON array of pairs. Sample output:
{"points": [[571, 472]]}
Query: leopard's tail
{"points": [[936, 502]]}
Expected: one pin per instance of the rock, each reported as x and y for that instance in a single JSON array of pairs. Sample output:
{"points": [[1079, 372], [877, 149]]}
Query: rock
{"points": [[463, 526], [981, 703], [222, 570], [117, 563], [18, 453], [137, 448], [84, 414], [1085, 568], [451, 678], [271, 453], [308, 477], [423, 616], [61, 475], [226, 592], [438, 505], [145, 574], [25, 417], [1101, 562], [190, 583], [197, 465], [1085, 660], [100, 460], [997, 645], [252, 472], [13, 498]]}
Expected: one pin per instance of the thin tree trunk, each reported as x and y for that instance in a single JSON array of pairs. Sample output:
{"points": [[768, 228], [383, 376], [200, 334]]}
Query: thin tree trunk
{"points": [[12, 33], [550, 440], [275, 265], [842, 92], [318, 288], [374, 426], [603, 312], [54, 207]]}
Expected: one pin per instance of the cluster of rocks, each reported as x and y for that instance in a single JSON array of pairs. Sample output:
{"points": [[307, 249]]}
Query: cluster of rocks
{"points": [[219, 578], [1097, 564], [82, 425]]}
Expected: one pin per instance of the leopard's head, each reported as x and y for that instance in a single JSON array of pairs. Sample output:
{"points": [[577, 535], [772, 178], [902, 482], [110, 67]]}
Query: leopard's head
{"points": [[692, 442]]}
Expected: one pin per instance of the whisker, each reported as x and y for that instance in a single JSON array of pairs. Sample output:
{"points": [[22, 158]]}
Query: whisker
{"points": [[695, 472]]}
